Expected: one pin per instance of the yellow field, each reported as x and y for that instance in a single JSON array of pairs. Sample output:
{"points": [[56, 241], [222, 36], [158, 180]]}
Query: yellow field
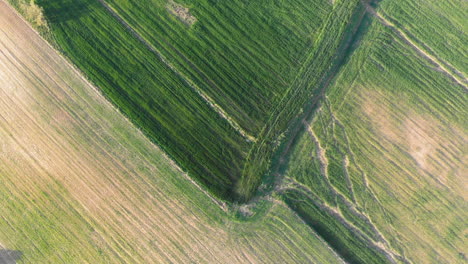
{"points": [[80, 184]]}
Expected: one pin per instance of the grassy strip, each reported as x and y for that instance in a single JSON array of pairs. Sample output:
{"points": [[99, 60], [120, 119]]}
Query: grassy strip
{"points": [[34, 15]]}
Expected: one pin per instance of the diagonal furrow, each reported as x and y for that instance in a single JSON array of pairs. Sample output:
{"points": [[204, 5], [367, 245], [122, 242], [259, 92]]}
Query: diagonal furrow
{"points": [[441, 65], [210, 101]]}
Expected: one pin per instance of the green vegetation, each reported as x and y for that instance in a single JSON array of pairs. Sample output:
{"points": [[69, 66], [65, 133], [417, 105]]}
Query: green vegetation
{"points": [[156, 99], [243, 54], [384, 153], [439, 27], [205, 91], [81, 184], [352, 113]]}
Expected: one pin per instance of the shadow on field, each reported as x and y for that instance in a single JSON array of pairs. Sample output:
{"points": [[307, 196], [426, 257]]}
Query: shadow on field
{"points": [[9, 256], [64, 10]]}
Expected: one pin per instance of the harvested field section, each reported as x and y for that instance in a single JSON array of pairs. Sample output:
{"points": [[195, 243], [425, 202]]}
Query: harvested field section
{"points": [[80, 184]]}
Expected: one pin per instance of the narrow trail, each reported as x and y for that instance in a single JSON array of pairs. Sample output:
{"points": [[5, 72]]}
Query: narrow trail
{"points": [[350, 204], [345, 159], [351, 159], [210, 101], [441, 65], [321, 154]]}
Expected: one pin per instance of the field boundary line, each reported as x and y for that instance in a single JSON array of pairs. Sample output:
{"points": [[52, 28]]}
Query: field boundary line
{"points": [[218, 109], [281, 202], [219, 203]]}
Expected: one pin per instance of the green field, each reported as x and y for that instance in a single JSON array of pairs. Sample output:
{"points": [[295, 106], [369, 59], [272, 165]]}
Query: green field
{"points": [[242, 54], [81, 184], [320, 131], [156, 99], [217, 95], [385, 154]]}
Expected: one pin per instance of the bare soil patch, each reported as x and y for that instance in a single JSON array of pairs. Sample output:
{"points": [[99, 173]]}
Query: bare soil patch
{"points": [[436, 149], [181, 12]]}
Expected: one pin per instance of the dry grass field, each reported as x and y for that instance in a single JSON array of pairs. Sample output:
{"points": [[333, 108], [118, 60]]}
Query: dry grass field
{"points": [[80, 184]]}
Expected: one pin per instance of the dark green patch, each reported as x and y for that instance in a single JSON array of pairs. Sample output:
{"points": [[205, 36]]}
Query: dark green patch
{"points": [[347, 244], [149, 93]]}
